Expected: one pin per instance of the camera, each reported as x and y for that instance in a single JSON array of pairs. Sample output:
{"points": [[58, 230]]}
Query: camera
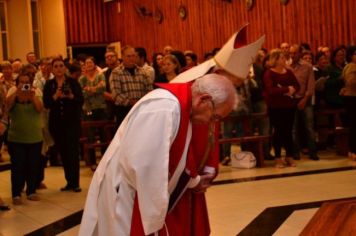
{"points": [[66, 89], [26, 87]]}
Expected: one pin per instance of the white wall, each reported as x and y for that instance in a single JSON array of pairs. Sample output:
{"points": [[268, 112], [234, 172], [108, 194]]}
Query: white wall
{"points": [[19, 28], [53, 28]]}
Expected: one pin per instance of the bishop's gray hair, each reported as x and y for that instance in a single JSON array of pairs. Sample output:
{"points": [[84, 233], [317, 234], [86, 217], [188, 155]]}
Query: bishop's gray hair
{"points": [[218, 87]]}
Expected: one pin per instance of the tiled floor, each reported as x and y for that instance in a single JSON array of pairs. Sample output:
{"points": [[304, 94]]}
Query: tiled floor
{"points": [[297, 221], [53, 206], [232, 206]]}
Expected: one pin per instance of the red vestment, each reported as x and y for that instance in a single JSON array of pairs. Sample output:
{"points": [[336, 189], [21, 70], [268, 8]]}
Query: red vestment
{"points": [[189, 216]]}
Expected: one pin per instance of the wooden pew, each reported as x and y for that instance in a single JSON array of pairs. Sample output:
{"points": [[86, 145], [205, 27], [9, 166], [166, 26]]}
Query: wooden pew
{"points": [[109, 129], [342, 140], [249, 136], [336, 129], [326, 128], [333, 218]]}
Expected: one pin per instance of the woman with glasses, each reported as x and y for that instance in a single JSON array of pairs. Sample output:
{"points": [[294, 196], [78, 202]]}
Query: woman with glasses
{"points": [[93, 87]]}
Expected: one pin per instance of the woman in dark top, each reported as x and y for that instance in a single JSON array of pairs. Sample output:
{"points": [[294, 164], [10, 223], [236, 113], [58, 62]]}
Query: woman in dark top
{"points": [[320, 75], [64, 99], [280, 85], [157, 60], [334, 83], [349, 93]]}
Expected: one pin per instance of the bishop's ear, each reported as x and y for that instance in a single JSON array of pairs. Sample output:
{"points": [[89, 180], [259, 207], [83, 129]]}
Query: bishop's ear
{"points": [[205, 98]]}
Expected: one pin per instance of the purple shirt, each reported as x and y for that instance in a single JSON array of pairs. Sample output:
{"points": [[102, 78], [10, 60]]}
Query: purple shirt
{"points": [[276, 87], [304, 73]]}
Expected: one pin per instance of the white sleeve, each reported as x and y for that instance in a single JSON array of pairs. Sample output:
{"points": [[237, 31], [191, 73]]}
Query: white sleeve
{"points": [[11, 91], [147, 143]]}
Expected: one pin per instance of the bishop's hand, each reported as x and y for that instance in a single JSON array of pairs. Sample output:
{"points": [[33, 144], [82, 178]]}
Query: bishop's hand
{"points": [[204, 183]]}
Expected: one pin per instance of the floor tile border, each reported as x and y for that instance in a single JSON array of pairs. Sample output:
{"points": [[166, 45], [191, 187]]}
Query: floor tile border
{"points": [[268, 221], [284, 175], [59, 226]]}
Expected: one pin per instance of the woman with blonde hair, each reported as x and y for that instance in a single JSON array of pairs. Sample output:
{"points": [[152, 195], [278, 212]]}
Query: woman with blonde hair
{"points": [[170, 69], [280, 85]]}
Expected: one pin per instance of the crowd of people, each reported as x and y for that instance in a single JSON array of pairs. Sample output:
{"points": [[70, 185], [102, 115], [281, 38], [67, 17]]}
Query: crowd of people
{"points": [[289, 84], [53, 95], [42, 103]]}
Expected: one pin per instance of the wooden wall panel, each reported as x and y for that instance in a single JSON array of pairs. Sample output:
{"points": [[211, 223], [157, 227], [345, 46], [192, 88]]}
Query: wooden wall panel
{"points": [[210, 23], [86, 22]]}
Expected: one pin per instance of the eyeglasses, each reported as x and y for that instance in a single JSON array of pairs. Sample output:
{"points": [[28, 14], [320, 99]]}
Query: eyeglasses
{"points": [[58, 66], [215, 117]]}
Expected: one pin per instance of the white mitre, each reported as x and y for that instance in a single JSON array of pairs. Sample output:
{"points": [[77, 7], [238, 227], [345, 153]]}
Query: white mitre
{"points": [[235, 57]]}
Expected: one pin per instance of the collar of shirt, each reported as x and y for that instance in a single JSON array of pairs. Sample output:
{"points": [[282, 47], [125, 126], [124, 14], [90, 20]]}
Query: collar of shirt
{"points": [[131, 70]]}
